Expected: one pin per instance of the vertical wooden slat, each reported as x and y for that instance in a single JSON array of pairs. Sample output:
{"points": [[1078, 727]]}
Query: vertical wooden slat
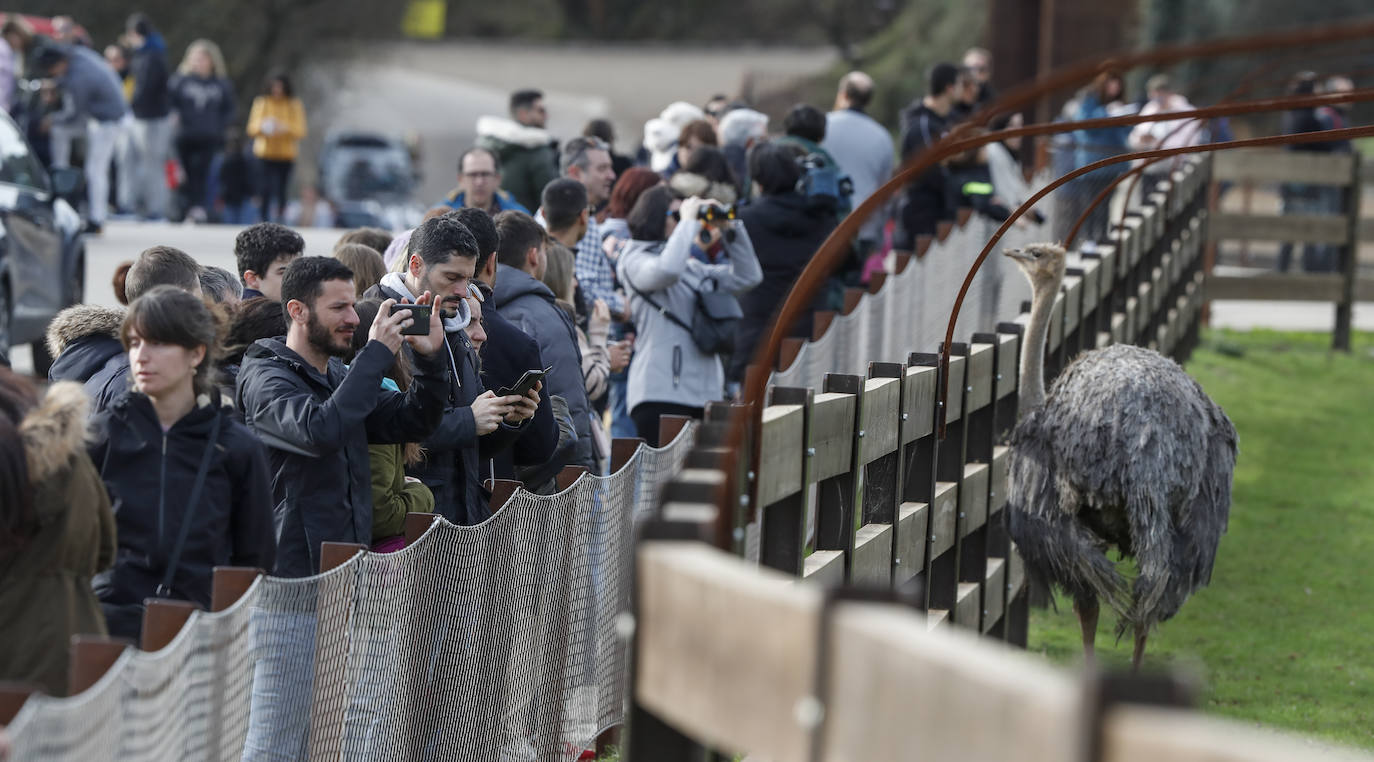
{"points": [[622, 449], [567, 476], [501, 491], [12, 698], [416, 524], [162, 620], [838, 497], [669, 426], [336, 554], [229, 583], [782, 545], [91, 657], [1340, 336]]}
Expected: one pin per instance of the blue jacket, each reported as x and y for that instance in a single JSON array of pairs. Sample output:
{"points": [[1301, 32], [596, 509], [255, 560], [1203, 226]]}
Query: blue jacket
{"points": [[316, 427], [531, 307], [504, 201]]}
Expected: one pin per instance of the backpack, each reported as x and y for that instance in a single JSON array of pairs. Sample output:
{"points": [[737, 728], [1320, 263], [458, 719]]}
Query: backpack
{"points": [[821, 180]]}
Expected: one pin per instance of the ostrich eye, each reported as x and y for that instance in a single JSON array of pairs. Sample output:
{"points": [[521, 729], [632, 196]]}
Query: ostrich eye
{"points": [[1035, 254]]}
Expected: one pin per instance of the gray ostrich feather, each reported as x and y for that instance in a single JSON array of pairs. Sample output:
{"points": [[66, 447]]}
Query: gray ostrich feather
{"points": [[1126, 450]]}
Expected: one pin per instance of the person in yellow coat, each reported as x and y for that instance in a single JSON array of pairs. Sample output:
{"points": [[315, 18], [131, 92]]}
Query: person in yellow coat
{"points": [[277, 125]]}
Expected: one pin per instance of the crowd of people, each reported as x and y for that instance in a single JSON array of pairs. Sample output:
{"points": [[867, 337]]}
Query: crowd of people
{"points": [[561, 295], [125, 113]]}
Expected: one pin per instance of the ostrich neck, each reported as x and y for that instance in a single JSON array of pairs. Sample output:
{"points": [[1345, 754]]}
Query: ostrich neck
{"points": [[1033, 350]]}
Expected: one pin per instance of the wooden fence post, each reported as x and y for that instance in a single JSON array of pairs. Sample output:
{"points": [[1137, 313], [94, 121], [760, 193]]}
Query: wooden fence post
{"points": [[783, 478], [91, 657], [501, 491], [162, 620], [336, 554], [229, 583], [837, 496], [568, 476], [416, 524], [12, 698], [622, 450], [880, 456]]}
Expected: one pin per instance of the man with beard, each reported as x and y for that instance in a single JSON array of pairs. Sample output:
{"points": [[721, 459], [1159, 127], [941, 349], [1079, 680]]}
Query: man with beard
{"points": [[443, 258], [316, 416]]}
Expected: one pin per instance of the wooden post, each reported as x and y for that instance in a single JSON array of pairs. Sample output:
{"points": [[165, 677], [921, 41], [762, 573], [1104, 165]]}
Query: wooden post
{"points": [[820, 323], [568, 475], [876, 281], [336, 554], [783, 540], [501, 491], [162, 620], [1350, 265], [12, 698], [91, 657], [229, 583], [923, 243], [838, 496], [787, 354], [622, 449], [416, 524], [669, 426], [852, 297]]}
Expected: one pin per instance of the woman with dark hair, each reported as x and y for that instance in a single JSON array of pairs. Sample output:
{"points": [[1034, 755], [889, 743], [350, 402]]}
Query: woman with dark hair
{"points": [[393, 493], [256, 318], [188, 481], [787, 228], [277, 125], [670, 374], [56, 531]]}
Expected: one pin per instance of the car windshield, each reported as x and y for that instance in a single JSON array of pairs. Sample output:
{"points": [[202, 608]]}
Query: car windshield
{"points": [[17, 163]]}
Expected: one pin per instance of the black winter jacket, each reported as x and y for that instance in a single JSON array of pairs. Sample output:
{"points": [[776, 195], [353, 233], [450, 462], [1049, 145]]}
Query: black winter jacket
{"points": [[149, 474], [453, 450], [506, 355], [786, 230], [316, 427], [84, 339], [148, 66]]}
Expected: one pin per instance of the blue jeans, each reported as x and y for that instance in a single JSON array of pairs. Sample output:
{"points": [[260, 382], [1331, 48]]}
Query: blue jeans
{"points": [[283, 686]]}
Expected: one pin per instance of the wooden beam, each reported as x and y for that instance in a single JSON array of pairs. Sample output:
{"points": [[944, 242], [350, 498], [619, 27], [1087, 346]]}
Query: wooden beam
{"points": [[781, 458], [162, 620], [1275, 165], [918, 401], [881, 418], [416, 524], [229, 583], [876, 281], [670, 426], [820, 323], [787, 354], [336, 554], [1133, 733], [1307, 228], [1324, 287], [852, 297], [91, 657]]}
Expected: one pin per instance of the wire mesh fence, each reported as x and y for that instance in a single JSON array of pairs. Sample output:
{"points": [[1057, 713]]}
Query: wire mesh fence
{"points": [[497, 641]]}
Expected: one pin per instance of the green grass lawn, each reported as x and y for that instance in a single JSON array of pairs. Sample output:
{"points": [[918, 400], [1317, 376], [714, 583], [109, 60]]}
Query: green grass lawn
{"points": [[1284, 636]]}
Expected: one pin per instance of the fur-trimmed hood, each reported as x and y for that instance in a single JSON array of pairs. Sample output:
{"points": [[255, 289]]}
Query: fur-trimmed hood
{"points": [[80, 321], [55, 431], [688, 184], [510, 131]]}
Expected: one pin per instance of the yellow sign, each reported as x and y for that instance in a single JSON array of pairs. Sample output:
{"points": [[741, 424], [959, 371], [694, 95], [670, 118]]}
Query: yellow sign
{"points": [[424, 19]]}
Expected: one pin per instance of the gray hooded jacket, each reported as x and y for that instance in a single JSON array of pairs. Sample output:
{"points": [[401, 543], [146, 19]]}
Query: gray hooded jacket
{"points": [[667, 366]]}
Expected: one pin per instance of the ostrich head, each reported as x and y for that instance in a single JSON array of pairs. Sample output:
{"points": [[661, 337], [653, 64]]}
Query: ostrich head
{"points": [[1043, 264]]}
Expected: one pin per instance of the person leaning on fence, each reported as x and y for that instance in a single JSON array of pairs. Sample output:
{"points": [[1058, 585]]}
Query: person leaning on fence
{"points": [[317, 420], [188, 481], [443, 257], [669, 373], [56, 531]]}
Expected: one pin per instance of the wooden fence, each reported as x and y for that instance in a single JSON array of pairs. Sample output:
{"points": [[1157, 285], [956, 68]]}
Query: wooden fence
{"points": [[1341, 228], [730, 657]]}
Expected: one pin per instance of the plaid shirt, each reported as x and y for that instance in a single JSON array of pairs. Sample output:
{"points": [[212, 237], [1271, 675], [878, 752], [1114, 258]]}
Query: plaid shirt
{"points": [[594, 270]]}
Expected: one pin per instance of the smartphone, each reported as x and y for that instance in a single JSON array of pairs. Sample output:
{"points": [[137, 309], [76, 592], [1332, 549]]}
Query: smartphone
{"points": [[420, 313], [525, 384]]}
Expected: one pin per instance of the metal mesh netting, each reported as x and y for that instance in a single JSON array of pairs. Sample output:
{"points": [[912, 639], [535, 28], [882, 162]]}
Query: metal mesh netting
{"points": [[494, 642], [911, 310]]}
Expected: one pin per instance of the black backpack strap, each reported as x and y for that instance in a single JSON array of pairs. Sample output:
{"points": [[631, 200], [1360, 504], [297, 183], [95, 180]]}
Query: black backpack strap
{"points": [[661, 310], [164, 590]]}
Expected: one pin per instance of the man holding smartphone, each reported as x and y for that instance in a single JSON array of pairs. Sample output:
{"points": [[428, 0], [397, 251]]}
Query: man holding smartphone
{"points": [[443, 256]]}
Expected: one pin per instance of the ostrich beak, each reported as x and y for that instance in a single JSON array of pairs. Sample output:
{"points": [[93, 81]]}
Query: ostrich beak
{"points": [[1017, 254]]}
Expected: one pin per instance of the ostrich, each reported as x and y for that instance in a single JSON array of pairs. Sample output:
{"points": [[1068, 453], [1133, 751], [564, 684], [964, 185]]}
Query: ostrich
{"points": [[1126, 450]]}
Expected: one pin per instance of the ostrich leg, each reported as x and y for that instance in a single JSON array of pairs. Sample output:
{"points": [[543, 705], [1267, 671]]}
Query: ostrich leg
{"points": [[1087, 609], [1139, 655]]}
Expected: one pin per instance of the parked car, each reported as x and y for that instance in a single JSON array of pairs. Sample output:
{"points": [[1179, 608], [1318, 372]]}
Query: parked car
{"points": [[42, 253], [369, 177]]}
